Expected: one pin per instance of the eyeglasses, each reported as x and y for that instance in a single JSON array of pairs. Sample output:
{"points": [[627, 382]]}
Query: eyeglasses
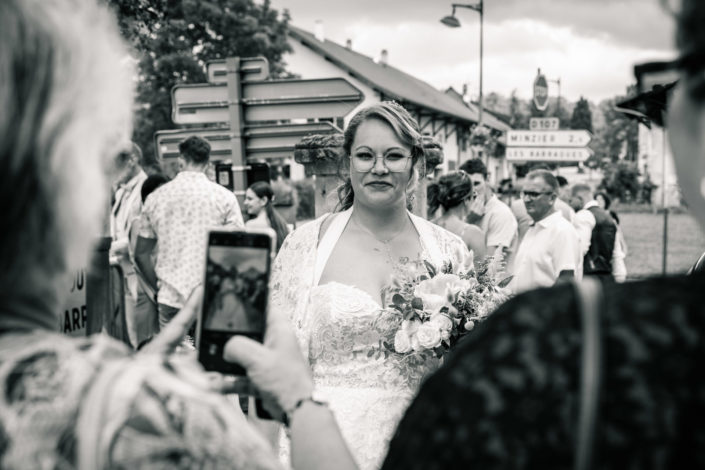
{"points": [[395, 162], [534, 194]]}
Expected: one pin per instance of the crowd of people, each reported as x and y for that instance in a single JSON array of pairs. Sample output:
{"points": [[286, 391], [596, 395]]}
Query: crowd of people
{"points": [[591, 374]]}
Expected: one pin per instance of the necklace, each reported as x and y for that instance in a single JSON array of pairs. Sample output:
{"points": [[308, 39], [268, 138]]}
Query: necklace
{"points": [[386, 244]]}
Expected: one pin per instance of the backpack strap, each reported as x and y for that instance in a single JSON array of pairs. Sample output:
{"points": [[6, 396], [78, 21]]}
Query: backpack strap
{"points": [[589, 297]]}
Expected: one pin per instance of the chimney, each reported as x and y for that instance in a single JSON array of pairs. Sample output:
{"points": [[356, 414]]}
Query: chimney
{"points": [[383, 57], [318, 31], [348, 44]]}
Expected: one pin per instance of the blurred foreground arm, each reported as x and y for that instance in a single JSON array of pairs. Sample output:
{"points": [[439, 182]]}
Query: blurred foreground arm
{"points": [[283, 379]]}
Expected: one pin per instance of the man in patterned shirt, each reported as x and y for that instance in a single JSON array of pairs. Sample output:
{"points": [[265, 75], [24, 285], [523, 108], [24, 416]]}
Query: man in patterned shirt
{"points": [[175, 219]]}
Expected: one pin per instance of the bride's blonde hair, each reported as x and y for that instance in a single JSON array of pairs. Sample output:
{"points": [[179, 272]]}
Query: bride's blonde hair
{"points": [[406, 129]]}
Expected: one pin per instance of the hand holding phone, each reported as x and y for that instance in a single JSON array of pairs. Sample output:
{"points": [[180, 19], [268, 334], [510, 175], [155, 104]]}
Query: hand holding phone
{"points": [[236, 289]]}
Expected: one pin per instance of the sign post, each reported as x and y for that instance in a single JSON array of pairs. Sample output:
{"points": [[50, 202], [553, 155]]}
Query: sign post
{"points": [[540, 92], [255, 114], [237, 142], [548, 146]]}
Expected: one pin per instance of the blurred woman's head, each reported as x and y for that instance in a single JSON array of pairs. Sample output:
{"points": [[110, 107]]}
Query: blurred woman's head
{"points": [[258, 198], [382, 147], [686, 113], [65, 90], [603, 200], [450, 191]]}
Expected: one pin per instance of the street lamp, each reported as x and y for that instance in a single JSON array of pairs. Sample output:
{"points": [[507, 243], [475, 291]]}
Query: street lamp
{"points": [[453, 22]]}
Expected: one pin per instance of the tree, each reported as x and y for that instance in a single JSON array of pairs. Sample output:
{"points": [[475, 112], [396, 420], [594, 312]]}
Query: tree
{"points": [[172, 40], [582, 116]]}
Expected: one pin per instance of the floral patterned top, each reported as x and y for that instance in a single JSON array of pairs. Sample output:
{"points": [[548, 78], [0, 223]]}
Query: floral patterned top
{"points": [[88, 403], [508, 397]]}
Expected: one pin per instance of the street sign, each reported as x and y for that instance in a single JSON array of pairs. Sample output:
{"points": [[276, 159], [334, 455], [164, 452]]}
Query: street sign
{"points": [[544, 123], [547, 154], [266, 100], [261, 141], [251, 69], [540, 92], [567, 138]]}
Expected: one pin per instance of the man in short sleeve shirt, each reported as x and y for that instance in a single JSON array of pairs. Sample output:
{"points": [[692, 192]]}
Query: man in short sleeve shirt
{"points": [[550, 249], [175, 219], [493, 216]]}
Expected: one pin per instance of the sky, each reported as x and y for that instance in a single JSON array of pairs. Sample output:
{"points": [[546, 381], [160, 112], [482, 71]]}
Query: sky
{"points": [[591, 46]]}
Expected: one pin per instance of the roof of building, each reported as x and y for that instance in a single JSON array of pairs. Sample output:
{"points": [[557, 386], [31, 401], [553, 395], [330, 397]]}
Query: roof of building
{"points": [[391, 82], [489, 118]]}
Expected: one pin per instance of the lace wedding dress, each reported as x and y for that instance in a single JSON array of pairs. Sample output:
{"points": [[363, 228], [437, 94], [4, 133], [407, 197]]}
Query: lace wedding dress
{"points": [[338, 325]]}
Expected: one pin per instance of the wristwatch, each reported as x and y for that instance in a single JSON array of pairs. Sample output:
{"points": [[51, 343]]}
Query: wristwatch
{"points": [[313, 398]]}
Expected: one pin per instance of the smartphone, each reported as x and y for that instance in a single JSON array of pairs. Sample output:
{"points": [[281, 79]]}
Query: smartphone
{"points": [[236, 289]]}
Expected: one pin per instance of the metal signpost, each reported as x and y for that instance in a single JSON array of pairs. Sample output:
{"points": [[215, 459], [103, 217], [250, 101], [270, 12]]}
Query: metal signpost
{"points": [[549, 146], [540, 92], [544, 124], [255, 114]]}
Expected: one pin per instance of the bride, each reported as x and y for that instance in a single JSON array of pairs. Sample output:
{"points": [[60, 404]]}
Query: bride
{"points": [[330, 274]]}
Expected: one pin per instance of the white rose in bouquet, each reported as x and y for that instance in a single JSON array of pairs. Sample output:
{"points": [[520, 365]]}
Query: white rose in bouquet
{"points": [[429, 336], [435, 292], [402, 344]]}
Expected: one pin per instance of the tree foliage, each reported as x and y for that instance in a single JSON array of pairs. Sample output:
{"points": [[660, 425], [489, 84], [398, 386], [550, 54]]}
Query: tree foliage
{"points": [[619, 137], [621, 180], [172, 40], [582, 116]]}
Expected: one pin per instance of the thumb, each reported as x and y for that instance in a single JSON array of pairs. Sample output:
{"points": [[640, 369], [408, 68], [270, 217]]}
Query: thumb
{"points": [[244, 351]]}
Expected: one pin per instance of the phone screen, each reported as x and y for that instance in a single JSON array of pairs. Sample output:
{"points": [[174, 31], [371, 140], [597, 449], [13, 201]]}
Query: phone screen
{"points": [[235, 296]]}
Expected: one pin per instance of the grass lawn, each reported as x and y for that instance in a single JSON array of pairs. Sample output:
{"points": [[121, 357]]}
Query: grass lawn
{"points": [[644, 235]]}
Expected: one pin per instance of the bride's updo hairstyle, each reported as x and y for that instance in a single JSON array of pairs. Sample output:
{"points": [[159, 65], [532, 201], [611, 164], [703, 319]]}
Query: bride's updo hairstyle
{"points": [[405, 128], [449, 191]]}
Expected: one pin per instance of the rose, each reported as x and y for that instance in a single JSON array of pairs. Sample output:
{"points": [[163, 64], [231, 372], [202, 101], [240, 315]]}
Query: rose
{"points": [[469, 325], [445, 335], [402, 345], [442, 322], [410, 327], [415, 345], [429, 336], [436, 292]]}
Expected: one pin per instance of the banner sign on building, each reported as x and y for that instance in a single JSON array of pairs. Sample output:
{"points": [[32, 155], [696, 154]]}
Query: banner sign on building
{"points": [[72, 320]]}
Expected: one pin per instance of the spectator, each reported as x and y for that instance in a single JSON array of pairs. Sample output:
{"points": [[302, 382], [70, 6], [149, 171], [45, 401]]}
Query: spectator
{"points": [[451, 196], [90, 402], [597, 232], [175, 219], [492, 216], [550, 250], [518, 208], [128, 182], [563, 199], [259, 207]]}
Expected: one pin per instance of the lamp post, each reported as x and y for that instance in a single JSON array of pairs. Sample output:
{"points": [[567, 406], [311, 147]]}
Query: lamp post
{"points": [[453, 22]]}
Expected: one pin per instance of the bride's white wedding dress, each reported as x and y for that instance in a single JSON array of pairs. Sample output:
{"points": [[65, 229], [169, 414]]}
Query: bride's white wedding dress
{"points": [[338, 325]]}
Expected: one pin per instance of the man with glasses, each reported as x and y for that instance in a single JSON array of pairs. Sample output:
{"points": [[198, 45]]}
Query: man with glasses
{"points": [[597, 232], [550, 249], [493, 216]]}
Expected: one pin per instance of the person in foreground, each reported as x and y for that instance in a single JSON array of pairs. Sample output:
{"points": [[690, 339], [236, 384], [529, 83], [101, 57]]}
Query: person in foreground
{"points": [[453, 192], [509, 396], [86, 403], [330, 275]]}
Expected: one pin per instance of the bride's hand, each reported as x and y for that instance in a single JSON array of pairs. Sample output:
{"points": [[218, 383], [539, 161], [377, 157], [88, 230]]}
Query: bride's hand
{"points": [[277, 369]]}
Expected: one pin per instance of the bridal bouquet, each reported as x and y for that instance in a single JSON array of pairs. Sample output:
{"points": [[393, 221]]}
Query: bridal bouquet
{"points": [[428, 309]]}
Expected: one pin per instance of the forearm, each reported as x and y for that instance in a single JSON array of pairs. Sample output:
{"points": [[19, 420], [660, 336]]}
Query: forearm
{"points": [[316, 441]]}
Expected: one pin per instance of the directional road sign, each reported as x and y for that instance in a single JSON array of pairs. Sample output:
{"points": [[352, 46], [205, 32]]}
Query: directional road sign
{"points": [[261, 141], [544, 123], [551, 154], [266, 100], [251, 69], [524, 138]]}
